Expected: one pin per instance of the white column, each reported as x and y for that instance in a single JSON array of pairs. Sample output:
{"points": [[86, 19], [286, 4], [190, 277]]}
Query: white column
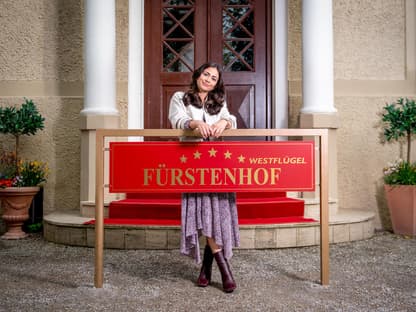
{"points": [[136, 70], [100, 108], [317, 49], [318, 91], [100, 58], [280, 87]]}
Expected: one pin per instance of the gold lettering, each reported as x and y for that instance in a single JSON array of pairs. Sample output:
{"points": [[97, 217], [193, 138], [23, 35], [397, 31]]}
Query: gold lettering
{"points": [[301, 160], [176, 175], [189, 174], [275, 175], [244, 176], [230, 175], [265, 176], [162, 176], [147, 175], [215, 179], [201, 172], [159, 177], [268, 160], [254, 160]]}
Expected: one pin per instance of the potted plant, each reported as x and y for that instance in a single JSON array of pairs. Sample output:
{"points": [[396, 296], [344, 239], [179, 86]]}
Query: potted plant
{"points": [[399, 122], [19, 179]]}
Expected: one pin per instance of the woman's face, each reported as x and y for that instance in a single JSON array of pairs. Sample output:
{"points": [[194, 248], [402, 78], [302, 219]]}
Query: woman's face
{"points": [[208, 79]]}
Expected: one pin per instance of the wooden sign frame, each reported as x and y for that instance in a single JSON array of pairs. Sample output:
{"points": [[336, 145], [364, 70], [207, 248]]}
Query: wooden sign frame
{"points": [[102, 134]]}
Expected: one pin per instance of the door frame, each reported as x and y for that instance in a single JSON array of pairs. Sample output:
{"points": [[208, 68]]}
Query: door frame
{"points": [[268, 72]]}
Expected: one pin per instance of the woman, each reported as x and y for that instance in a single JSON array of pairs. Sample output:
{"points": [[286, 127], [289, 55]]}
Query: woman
{"points": [[213, 215]]}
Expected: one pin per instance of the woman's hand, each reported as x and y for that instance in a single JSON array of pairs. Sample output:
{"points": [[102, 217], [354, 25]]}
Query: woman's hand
{"points": [[218, 128], [203, 128]]}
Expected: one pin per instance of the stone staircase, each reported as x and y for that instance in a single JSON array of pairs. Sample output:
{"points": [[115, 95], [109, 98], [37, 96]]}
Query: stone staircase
{"points": [[71, 228]]}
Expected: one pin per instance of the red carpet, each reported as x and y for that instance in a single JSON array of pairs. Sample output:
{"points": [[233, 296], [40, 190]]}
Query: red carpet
{"points": [[131, 221], [165, 209]]}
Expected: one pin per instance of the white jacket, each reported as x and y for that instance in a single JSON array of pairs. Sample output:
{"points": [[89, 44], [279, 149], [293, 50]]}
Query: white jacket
{"points": [[179, 113]]}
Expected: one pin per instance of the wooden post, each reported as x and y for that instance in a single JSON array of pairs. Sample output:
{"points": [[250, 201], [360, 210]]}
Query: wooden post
{"points": [[99, 210], [324, 211]]}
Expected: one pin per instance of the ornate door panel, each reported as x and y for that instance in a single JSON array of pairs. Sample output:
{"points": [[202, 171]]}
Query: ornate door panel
{"points": [[180, 35]]}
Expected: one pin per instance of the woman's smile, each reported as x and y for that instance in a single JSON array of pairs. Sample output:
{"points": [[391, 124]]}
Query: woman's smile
{"points": [[208, 79]]}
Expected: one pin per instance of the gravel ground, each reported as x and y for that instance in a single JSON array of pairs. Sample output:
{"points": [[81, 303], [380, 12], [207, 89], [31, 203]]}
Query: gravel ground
{"points": [[378, 274]]}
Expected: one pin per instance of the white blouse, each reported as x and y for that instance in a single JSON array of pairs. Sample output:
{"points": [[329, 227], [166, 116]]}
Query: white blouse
{"points": [[179, 113]]}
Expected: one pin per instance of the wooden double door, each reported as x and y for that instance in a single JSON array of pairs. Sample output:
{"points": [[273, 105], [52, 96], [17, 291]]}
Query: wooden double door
{"points": [[180, 35]]}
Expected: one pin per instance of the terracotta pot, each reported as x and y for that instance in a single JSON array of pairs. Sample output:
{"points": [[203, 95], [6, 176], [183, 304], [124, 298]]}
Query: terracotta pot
{"points": [[401, 200], [15, 202]]}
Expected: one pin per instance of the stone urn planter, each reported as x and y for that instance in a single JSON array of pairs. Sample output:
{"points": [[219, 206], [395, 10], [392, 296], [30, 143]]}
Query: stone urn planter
{"points": [[19, 178], [401, 200], [15, 203]]}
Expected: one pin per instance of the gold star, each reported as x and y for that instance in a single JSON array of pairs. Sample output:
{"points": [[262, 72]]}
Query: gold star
{"points": [[241, 158], [197, 155], [227, 155], [212, 152], [183, 159]]}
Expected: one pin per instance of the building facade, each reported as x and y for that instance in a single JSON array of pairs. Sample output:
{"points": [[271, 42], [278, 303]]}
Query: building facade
{"points": [[363, 58]]}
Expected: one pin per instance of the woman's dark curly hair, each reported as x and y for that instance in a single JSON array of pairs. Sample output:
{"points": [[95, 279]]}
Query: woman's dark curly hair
{"points": [[215, 98]]}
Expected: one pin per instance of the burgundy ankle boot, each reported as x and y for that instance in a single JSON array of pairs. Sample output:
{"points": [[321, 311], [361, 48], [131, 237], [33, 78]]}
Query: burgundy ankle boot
{"points": [[228, 283], [204, 278]]}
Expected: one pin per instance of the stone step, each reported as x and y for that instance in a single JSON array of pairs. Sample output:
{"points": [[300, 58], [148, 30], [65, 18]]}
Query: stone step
{"points": [[346, 225]]}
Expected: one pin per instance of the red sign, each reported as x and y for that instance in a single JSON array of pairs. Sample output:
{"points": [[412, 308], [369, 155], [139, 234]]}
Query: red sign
{"points": [[211, 166]]}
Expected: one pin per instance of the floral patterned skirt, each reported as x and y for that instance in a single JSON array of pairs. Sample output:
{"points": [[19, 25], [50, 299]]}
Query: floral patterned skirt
{"points": [[211, 215]]}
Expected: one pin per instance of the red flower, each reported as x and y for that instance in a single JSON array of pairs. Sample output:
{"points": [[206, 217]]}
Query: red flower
{"points": [[5, 183]]}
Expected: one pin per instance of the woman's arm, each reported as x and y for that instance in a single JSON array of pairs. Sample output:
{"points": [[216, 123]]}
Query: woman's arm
{"points": [[181, 118], [226, 115], [178, 115], [225, 121]]}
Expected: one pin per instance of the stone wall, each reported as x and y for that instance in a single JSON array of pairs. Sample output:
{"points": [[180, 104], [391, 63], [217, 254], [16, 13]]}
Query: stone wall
{"points": [[374, 64], [41, 59]]}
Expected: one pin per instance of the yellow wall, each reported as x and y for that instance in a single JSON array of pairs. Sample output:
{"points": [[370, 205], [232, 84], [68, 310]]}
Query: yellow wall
{"points": [[374, 64]]}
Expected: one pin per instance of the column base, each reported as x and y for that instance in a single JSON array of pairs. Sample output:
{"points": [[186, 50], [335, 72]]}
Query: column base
{"points": [[319, 120]]}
